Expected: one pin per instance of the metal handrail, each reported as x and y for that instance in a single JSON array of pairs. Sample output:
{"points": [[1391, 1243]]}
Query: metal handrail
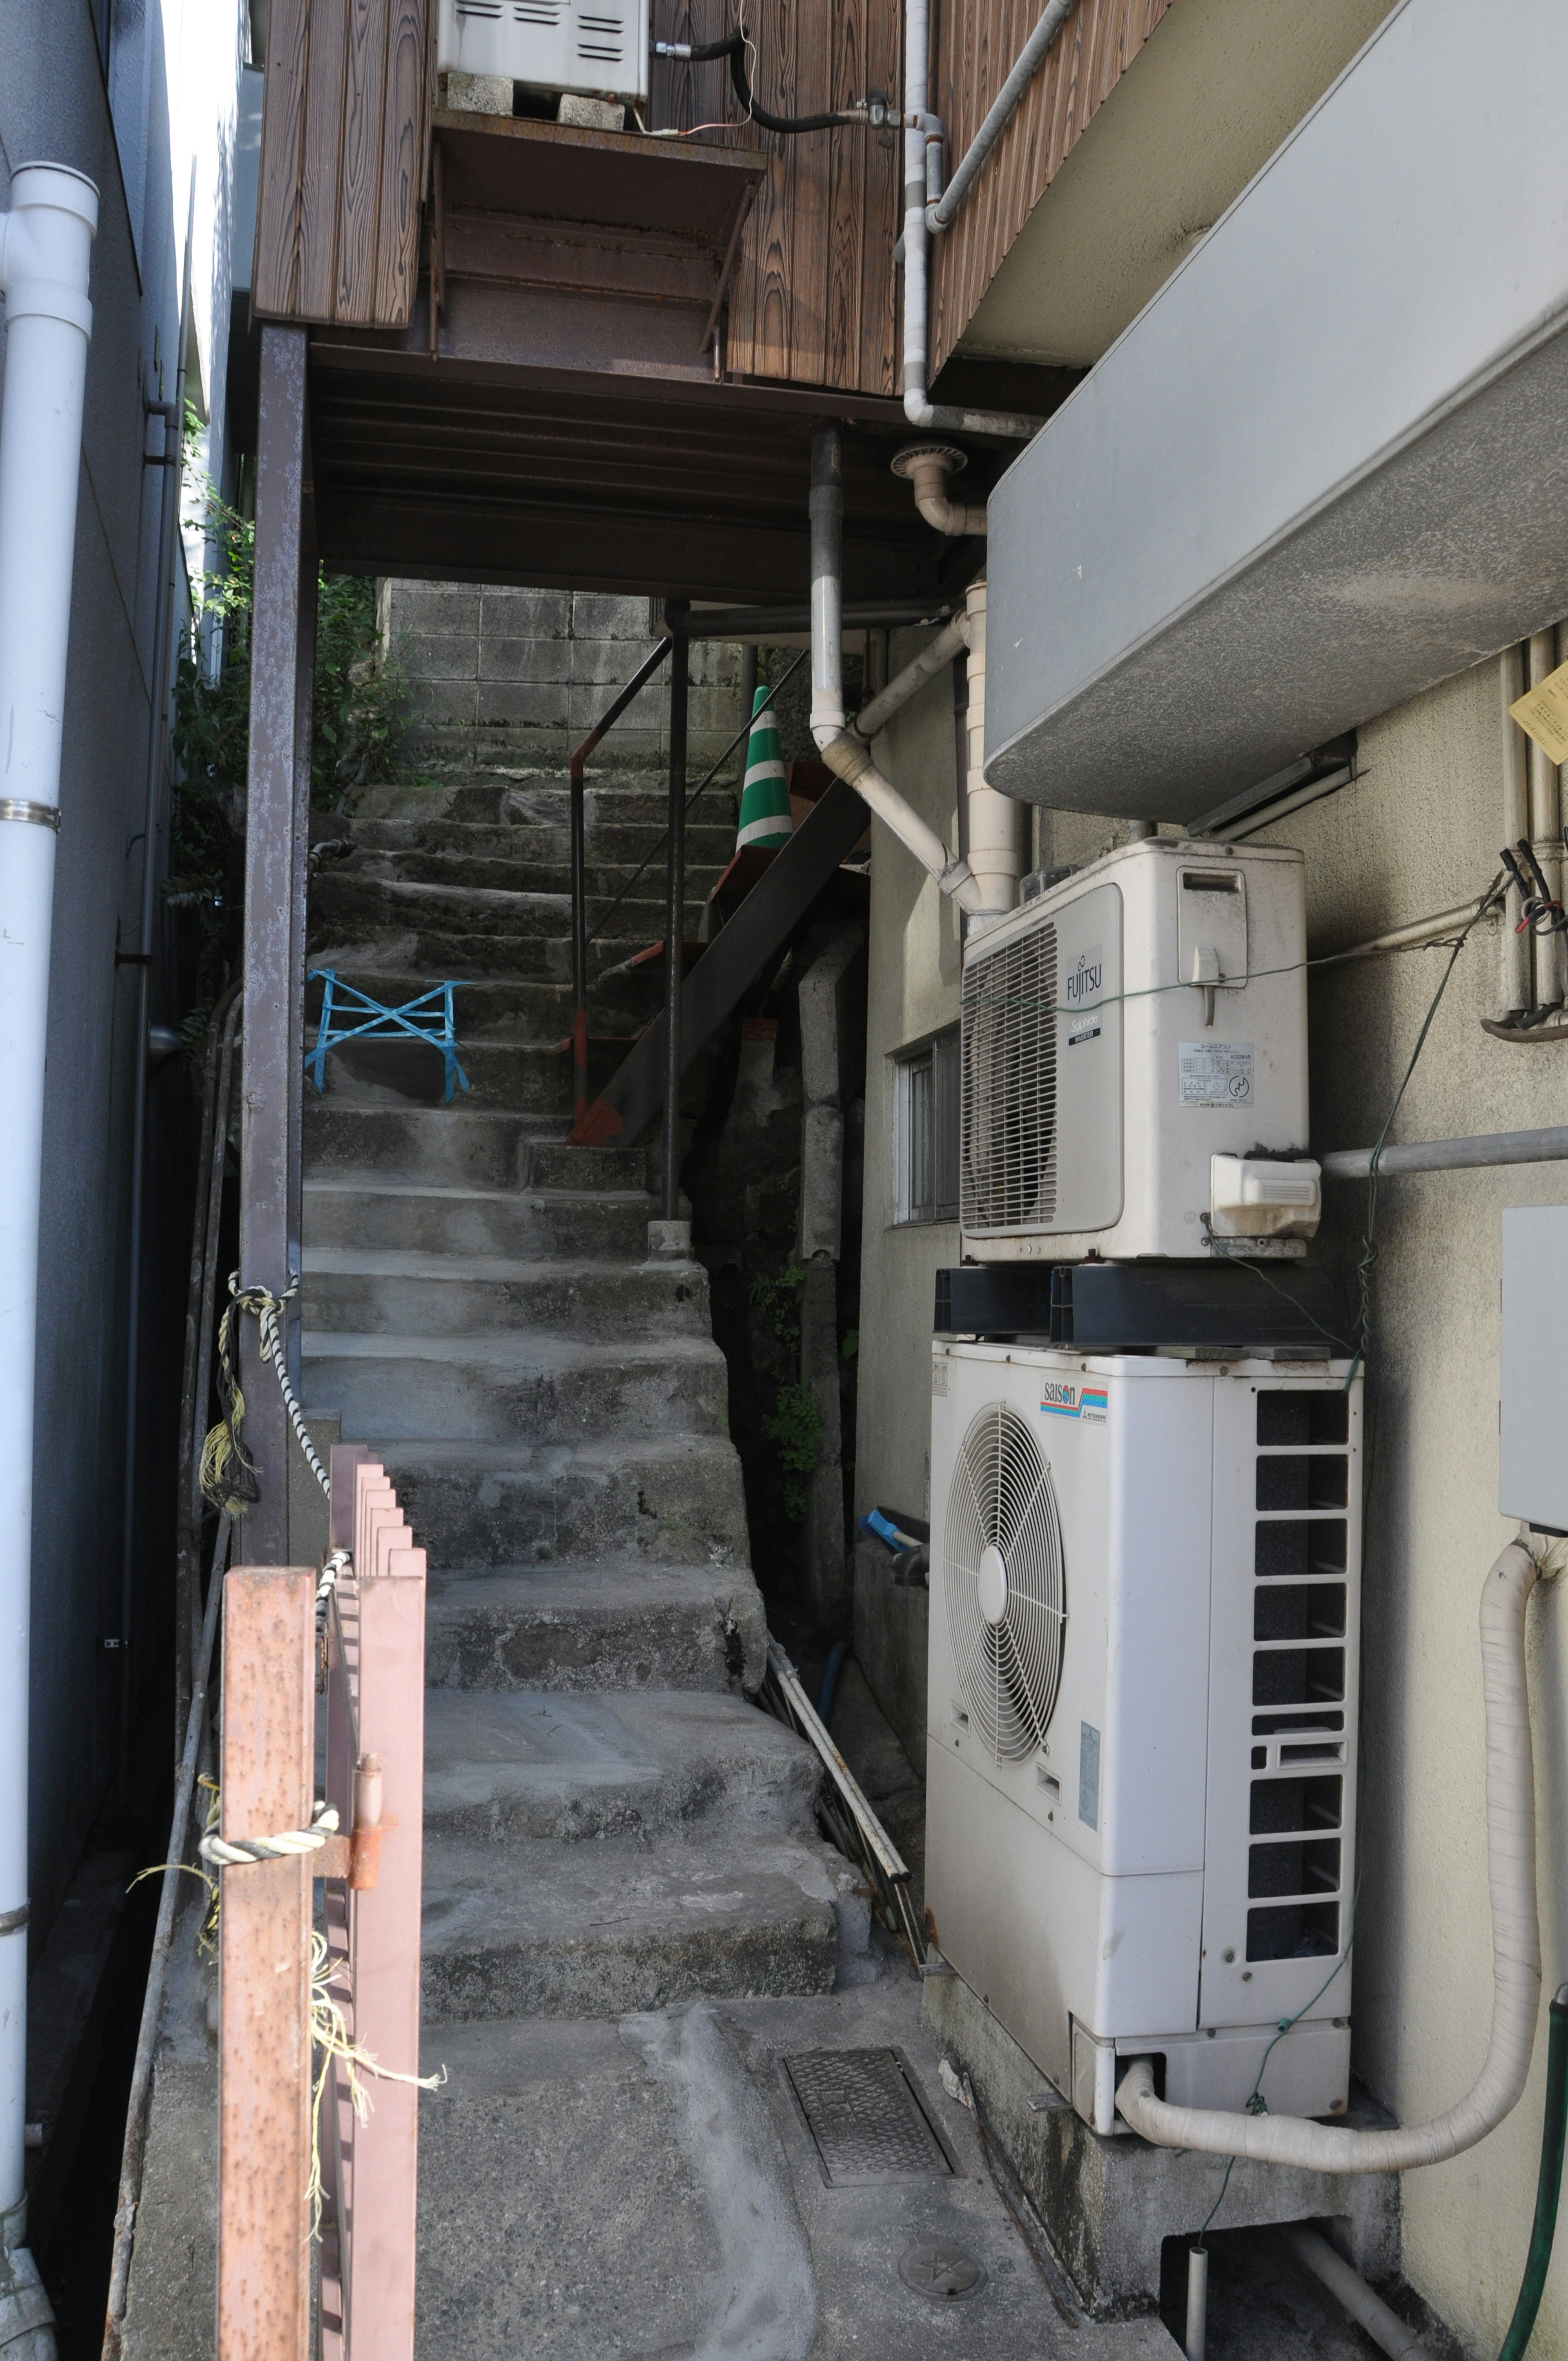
{"points": [[575, 769]]}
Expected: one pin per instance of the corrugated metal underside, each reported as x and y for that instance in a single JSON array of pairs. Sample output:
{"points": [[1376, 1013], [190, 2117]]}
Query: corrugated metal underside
{"points": [[1327, 466]]}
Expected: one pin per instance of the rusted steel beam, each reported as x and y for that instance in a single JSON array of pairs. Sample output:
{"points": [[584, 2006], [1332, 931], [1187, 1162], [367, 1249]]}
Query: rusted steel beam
{"points": [[264, 2140], [733, 959], [276, 796]]}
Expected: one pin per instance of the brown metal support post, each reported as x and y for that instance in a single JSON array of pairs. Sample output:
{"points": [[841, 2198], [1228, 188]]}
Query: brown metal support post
{"points": [[270, 897], [674, 908], [304, 718], [264, 2070]]}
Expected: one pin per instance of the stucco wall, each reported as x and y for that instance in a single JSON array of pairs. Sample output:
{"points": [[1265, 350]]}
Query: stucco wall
{"points": [[1416, 832]]}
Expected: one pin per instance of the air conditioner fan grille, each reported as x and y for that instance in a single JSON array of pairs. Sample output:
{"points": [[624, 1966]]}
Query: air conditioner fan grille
{"points": [[1008, 1171], [1001, 1498]]}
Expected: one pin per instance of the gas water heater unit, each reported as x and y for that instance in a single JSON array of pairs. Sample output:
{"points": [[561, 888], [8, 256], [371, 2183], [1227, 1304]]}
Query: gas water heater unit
{"points": [[1142, 1713], [1135, 1062], [597, 46]]}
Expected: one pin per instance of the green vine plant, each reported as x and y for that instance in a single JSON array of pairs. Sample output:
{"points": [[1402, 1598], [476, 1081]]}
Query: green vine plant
{"points": [[795, 1426], [356, 732]]}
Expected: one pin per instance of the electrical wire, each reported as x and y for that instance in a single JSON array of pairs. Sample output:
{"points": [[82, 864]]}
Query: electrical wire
{"points": [[735, 46]]}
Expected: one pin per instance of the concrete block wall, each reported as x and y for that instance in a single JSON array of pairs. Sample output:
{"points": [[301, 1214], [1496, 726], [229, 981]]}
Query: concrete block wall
{"points": [[516, 678]]}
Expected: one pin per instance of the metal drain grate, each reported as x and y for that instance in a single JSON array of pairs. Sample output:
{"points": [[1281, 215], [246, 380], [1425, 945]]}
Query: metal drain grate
{"points": [[865, 2113]]}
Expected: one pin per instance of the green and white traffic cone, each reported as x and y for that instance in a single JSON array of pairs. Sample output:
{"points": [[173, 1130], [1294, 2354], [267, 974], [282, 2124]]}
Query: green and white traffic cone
{"points": [[764, 799]]}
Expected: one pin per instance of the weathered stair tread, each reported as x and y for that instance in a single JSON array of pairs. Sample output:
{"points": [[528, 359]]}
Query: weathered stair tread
{"points": [[596, 1930], [628, 1625], [511, 1351], [675, 1498], [524, 1763], [373, 1289]]}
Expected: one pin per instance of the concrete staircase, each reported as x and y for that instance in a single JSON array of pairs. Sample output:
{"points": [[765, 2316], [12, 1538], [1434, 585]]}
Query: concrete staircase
{"points": [[610, 1824]]}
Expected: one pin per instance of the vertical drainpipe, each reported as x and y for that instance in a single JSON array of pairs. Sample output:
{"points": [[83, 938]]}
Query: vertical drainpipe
{"points": [[46, 248], [991, 837]]}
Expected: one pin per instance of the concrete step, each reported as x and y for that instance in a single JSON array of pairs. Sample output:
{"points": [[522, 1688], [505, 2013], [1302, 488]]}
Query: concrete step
{"points": [[402, 940], [510, 1766], [525, 867], [458, 1145], [628, 1923], [677, 1501], [345, 898], [623, 1624], [580, 1225], [528, 1077], [529, 1009], [710, 834], [496, 1387], [375, 1289]]}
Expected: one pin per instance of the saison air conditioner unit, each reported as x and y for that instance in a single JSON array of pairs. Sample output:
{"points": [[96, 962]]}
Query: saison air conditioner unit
{"points": [[1134, 1061], [596, 46], [1142, 1714]]}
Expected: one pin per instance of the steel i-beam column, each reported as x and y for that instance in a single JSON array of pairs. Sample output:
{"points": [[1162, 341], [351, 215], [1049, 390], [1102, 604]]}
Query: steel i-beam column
{"points": [[674, 907]]}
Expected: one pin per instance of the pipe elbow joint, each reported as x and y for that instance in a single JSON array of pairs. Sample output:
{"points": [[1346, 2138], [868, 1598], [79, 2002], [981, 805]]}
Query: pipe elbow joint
{"points": [[926, 467]]}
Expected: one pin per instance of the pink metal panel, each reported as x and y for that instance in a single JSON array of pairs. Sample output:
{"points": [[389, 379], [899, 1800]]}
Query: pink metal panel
{"points": [[386, 1931], [264, 2231]]}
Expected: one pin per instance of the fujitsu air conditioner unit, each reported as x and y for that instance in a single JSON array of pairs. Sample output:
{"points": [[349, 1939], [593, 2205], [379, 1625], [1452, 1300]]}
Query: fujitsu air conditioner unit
{"points": [[1142, 1715], [1134, 1061], [596, 46]]}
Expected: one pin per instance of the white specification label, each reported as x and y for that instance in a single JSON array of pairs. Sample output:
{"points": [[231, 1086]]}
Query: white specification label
{"points": [[1216, 1073]]}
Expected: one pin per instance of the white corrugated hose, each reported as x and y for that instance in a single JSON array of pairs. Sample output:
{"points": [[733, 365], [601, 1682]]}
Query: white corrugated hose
{"points": [[1516, 1954]]}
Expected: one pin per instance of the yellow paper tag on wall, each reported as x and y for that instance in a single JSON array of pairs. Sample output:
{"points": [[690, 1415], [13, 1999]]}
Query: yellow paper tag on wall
{"points": [[1542, 714]]}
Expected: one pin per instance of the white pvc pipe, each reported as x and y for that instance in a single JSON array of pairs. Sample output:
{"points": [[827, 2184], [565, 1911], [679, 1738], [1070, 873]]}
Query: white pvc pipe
{"points": [[840, 748], [950, 641], [1516, 1954], [46, 244], [922, 159], [1353, 2295], [992, 834]]}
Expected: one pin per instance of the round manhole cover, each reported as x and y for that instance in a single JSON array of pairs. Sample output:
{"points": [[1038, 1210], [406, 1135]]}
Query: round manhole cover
{"points": [[941, 2271]]}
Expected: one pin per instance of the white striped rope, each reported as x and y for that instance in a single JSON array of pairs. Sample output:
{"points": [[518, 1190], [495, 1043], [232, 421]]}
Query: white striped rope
{"points": [[238, 1852]]}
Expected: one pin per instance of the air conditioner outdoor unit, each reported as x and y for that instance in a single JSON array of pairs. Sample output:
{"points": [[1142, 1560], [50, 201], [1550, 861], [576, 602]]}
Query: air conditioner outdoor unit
{"points": [[1134, 1061], [1142, 1715], [597, 46]]}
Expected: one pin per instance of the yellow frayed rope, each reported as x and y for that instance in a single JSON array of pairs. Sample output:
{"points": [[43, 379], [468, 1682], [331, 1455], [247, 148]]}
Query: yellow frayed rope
{"points": [[335, 2043]]}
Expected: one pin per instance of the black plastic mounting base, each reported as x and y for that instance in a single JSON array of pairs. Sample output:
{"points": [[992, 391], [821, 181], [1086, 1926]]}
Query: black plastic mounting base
{"points": [[1105, 1307]]}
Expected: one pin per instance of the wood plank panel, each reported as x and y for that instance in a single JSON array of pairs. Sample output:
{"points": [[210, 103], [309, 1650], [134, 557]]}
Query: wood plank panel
{"points": [[275, 270], [344, 153], [359, 194], [321, 159], [976, 44], [814, 298], [402, 157]]}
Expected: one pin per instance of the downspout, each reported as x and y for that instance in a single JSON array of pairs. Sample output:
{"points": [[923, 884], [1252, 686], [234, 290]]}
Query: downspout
{"points": [[841, 749], [1514, 985], [1545, 825], [923, 158], [46, 249]]}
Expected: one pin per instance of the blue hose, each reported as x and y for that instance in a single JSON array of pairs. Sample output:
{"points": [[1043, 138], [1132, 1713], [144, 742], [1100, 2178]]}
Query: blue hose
{"points": [[831, 1680]]}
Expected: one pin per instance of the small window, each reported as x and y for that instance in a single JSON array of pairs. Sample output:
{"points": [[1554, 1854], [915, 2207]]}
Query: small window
{"points": [[925, 1132]]}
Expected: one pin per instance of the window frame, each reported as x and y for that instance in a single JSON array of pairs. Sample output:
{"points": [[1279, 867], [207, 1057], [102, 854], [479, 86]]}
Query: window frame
{"points": [[926, 1120]]}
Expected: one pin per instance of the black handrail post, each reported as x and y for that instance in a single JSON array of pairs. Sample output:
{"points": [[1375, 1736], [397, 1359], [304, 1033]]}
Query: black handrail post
{"points": [[575, 772], [579, 945], [676, 614]]}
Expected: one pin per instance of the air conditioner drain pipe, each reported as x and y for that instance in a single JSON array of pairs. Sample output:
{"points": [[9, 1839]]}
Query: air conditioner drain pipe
{"points": [[1516, 1954], [985, 884]]}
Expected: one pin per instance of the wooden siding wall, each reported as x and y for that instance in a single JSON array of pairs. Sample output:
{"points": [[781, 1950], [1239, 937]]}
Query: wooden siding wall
{"points": [[976, 41], [342, 161], [815, 299]]}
